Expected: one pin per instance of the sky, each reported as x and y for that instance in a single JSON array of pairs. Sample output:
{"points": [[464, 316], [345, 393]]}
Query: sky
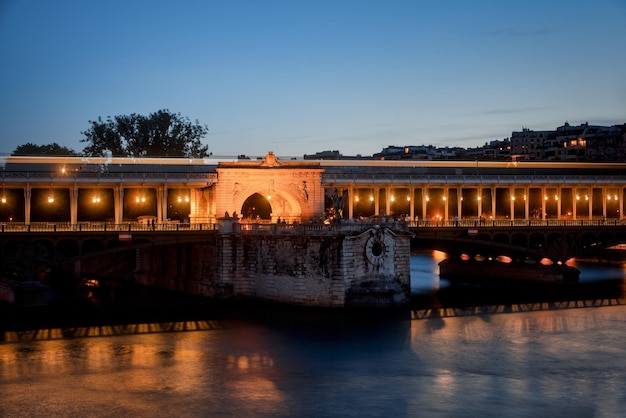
{"points": [[299, 77]]}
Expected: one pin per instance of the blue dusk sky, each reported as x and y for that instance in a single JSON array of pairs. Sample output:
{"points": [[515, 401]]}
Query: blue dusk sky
{"points": [[298, 77]]}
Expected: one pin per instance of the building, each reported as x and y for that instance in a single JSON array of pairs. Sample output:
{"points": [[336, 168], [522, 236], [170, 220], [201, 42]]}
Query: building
{"points": [[571, 143]]}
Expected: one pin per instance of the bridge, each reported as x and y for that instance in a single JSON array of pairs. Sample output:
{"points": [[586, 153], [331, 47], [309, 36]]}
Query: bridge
{"points": [[79, 207], [49, 244], [174, 190]]}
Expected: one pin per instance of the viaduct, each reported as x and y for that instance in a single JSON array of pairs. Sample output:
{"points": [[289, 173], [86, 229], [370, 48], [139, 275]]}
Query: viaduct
{"points": [[265, 226]]}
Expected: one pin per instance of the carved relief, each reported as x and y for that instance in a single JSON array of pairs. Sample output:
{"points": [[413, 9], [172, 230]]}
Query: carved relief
{"points": [[378, 247]]}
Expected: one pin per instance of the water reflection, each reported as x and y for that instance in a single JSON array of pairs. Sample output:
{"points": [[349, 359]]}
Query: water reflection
{"points": [[550, 363], [537, 359]]}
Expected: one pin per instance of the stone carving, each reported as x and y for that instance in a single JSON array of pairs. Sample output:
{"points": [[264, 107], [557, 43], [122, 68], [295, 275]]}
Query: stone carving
{"points": [[303, 190], [270, 160]]}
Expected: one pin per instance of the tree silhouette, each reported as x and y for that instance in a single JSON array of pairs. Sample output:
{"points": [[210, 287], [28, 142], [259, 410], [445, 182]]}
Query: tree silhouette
{"points": [[160, 134]]}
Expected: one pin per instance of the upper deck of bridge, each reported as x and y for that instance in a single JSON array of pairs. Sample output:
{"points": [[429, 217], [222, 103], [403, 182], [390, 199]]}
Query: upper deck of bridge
{"points": [[190, 170]]}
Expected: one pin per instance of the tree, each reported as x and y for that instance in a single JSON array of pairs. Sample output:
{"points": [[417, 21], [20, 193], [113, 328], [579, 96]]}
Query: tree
{"points": [[161, 134], [49, 149]]}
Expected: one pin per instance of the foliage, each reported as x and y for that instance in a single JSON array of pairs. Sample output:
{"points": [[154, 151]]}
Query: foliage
{"points": [[160, 134], [49, 149]]}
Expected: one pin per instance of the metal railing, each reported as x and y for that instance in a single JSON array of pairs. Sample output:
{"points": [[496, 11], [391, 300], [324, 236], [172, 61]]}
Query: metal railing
{"points": [[473, 223], [104, 227], [344, 227]]}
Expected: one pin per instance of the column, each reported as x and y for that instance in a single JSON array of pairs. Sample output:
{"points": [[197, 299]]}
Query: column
{"points": [[376, 201], [479, 201], [161, 192], [527, 203], [574, 201], [412, 203], [118, 203], [424, 202], [493, 202], [445, 204], [27, 205], [621, 202], [558, 203], [350, 202], [388, 200], [512, 200], [543, 202], [74, 205], [603, 202], [164, 202], [459, 201]]}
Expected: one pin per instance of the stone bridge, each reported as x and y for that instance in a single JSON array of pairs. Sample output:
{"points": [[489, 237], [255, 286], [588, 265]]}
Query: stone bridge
{"points": [[40, 246]]}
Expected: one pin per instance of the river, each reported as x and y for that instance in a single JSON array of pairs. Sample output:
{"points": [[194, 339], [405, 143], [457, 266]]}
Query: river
{"points": [[523, 353]]}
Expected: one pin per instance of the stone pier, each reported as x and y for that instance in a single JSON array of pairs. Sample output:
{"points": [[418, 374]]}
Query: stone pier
{"points": [[337, 265]]}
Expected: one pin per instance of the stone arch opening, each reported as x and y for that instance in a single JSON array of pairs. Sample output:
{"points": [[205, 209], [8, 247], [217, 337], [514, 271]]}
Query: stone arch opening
{"points": [[256, 206]]}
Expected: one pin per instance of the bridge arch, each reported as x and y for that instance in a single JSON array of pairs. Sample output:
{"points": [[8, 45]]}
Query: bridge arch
{"points": [[273, 205], [256, 206]]}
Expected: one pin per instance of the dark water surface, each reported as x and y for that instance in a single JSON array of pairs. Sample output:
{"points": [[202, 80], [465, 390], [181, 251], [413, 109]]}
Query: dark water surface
{"points": [[538, 353]]}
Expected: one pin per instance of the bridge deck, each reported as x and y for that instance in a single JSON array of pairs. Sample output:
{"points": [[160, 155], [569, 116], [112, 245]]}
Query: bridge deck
{"points": [[8, 227]]}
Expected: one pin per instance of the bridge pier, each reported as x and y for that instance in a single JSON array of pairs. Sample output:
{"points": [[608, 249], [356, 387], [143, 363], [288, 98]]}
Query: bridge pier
{"points": [[340, 265]]}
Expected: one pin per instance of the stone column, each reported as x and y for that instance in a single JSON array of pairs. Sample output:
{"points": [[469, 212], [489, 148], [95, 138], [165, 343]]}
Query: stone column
{"points": [[27, 204], [459, 201], [388, 200], [603, 202], [118, 203], [424, 202], [574, 202], [543, 202], [621, 203], [493, 202], [558, 203], [412, 203], [161, 206], [350, 202], [512, 200], [376, 201], [73, 205], [445, 203], [527, 203]]}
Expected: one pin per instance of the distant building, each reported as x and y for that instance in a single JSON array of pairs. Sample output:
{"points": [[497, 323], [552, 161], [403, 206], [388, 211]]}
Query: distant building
{"points": [[566, 143], [591, 142], [415, 152], [333, 155], [529, 145], [498, 149], [324, 155]]}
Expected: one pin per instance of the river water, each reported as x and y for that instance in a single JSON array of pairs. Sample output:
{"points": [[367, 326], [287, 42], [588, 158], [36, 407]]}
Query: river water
{"points": [[452, 353]]}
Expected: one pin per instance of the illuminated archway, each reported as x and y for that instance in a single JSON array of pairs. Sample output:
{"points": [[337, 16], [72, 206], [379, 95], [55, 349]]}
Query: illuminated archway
{"points": [[256, 206], [291, 190]]}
